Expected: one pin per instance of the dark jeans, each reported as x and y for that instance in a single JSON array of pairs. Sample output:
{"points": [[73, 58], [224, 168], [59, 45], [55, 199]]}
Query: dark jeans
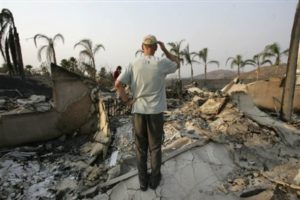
{"points": [[148, 130]]}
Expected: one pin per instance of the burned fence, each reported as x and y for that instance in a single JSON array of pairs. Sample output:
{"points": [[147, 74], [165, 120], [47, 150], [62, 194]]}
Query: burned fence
{"points": [[115, 107]]}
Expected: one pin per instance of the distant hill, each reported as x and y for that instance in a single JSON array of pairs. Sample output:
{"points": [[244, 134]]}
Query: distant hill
{"points": [[218, 74], [265, 72]]}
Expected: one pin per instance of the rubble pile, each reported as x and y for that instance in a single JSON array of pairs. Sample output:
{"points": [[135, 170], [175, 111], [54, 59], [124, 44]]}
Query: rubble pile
{"points": [[57, 169], [35, 103], [201, 129]]}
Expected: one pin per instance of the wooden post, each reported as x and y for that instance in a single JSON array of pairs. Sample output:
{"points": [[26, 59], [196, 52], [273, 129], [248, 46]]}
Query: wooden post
{"points": [[290, 81]]}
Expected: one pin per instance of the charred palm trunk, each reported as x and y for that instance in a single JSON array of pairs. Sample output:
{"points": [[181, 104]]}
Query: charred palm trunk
{"points": [[192, 73], [94, 71], [52, 51], [179, 83], [54, 56], [7, 57], [179, 67], [13, 52], [19, 54], [205, 74], [2, 52]]}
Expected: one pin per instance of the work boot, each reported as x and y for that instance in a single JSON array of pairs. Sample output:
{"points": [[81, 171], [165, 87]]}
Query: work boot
{"points": [[143, 182], [154, 181]]}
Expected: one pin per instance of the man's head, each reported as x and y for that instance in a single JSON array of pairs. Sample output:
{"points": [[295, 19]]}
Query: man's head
{"points": [[119, 68], [149, 45]]}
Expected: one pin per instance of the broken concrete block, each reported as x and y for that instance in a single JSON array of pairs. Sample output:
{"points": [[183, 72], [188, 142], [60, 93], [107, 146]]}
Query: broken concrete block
{"points": [[37, 98], [97, 149], [114, 172], [198, 100], [178, 143], [195, 90], [212, 106], [297, 178], [42, 107]]}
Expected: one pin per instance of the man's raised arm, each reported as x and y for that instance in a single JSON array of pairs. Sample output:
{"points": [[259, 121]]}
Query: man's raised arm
{"points": [[167, 53]]}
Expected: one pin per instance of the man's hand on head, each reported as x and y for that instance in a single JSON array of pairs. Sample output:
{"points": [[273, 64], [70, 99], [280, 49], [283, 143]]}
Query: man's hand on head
{"points": [[161, 45]]}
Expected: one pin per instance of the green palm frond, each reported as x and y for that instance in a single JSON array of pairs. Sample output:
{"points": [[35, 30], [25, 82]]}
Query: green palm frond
{"points": [[214, 62], [229, 59], [251, 62], [248, 62], [273, 50], [285, 52], [267, 62], [187, 55], [203, 55], [237, 60], [233, 63], [176, 47]]}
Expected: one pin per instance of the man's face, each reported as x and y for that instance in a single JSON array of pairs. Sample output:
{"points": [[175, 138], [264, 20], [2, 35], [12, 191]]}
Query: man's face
{"points": [[149, 49]]}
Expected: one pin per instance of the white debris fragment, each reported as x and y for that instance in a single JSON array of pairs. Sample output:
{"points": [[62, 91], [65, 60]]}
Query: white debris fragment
{"points": [[195, 90], [32, 100], [113, 158], [2, 101]]}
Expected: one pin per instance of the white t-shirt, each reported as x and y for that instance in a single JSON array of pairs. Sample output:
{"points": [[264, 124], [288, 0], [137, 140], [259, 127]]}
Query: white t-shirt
{"points": [[146, 78]]}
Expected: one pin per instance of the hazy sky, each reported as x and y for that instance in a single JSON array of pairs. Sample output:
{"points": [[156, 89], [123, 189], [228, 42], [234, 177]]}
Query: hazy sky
{"points": [[225, 27]]}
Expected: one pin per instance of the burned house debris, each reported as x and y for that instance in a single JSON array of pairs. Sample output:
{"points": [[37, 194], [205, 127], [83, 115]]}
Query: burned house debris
{"points": [[216, 146], [71, 110]]}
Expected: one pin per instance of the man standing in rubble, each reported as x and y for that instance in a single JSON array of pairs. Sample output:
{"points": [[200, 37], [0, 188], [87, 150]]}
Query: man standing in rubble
{"points": [[146, 78]]}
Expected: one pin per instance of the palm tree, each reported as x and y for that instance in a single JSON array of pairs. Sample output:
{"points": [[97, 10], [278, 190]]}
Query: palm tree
{"points": [[273, 50], [49, 47], [202, 55], [188, 59], [176, 49], [89, 53], [238, 61], [257, 61], [10, 44]]}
